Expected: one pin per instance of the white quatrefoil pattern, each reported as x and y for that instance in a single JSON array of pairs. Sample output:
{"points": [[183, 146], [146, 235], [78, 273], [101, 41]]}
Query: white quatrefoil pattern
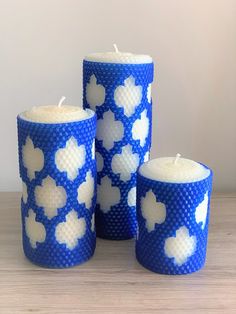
{"points": [[149, 93], [95, 93], [128, 96], [132, 197], [51, 197], [86, 191], [181, 245], [152, 211], [201, 211], [35, 230], [140, 128], [33, 158], [125, 163], [109, 130], [123, 128], [70, 231], [108, 195], [71, 158]]}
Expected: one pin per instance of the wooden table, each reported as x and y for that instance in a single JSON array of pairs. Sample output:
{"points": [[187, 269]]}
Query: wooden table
{"points": [[112, 281]]}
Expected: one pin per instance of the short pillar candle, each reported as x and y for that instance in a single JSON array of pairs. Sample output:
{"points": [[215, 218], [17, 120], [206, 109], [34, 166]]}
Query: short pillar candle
{"points": [[117, 86], [173, 203], [58, 171]]}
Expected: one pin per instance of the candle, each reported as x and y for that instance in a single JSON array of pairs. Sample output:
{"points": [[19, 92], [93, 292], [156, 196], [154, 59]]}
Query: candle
{"points": [[58, 171], [173, 202], [117, 85]]}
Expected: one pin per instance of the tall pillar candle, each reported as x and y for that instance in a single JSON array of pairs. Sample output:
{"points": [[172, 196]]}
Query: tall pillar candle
{"points": [[118, 87], [173, 203], [58, 172]]}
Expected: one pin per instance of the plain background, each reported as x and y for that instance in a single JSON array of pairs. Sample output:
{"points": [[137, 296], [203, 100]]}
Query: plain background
{"points": [[192, 42]]}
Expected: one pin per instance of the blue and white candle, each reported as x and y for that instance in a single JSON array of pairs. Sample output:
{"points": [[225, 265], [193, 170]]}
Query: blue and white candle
{"points": [[117, 86], [58, 172], [173, 203]]}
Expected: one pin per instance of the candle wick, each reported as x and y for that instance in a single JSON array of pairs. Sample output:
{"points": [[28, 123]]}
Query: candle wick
{"points": [[116, 48], [177, 158], [61, 101]]}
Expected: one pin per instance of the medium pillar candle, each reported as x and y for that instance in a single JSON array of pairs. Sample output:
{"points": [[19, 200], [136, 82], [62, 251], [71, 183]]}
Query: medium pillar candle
{"points": [[58, 172], [118, 87], [173, 202]]}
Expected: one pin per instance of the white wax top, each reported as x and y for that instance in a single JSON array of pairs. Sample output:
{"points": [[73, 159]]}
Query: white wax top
{"points": [[55, 114], [165, 169], [118, 57]]}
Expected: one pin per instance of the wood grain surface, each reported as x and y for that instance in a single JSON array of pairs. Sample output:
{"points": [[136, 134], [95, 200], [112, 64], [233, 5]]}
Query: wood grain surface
{"points": [[112, 281]]}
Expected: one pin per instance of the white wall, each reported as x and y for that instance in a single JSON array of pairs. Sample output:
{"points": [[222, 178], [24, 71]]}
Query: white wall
{"points": [[193, 43]]}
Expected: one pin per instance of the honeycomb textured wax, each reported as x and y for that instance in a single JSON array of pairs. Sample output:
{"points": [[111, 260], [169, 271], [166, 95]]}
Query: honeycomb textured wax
{"points": [[172, 224], [120, 93], [58, 172]]}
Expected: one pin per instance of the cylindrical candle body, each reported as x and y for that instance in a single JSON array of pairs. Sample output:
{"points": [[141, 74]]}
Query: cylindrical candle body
{"points": [[58, 171], [172, 220], [118, 88]]}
